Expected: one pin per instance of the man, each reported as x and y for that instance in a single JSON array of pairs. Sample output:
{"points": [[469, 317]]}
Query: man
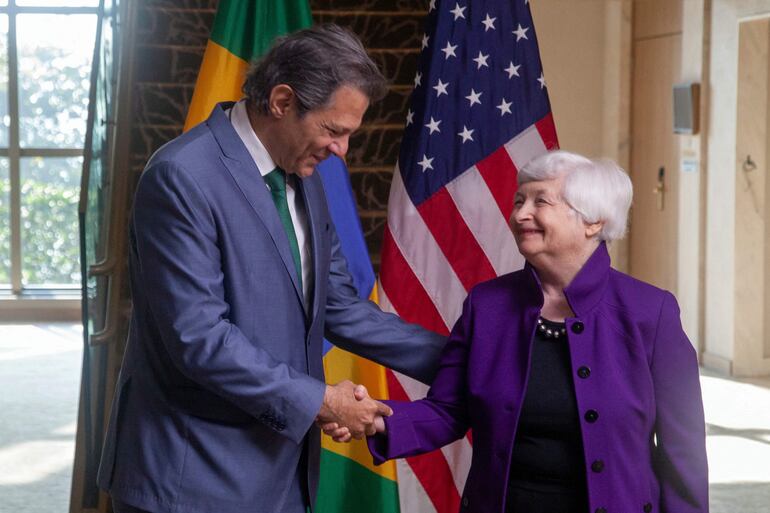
{"points": [[236, 274]]}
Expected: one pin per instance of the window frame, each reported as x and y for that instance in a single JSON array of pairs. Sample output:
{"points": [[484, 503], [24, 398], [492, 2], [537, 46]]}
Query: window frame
{"points": [[15, 153]]}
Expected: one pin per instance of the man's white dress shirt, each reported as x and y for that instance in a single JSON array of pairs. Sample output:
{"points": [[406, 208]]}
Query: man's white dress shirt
{"points": [[265, 164]]}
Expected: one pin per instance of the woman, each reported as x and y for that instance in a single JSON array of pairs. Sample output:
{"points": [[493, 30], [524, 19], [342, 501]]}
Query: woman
{"points": [[578, 383]]}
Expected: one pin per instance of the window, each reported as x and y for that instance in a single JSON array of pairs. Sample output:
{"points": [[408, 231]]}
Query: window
{"points": [[46, 48]]}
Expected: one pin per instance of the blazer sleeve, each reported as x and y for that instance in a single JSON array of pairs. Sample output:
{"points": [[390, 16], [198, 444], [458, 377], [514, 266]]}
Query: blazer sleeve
{"points": [[680, 451], [440, 418], [179, 266], [359, 326]]}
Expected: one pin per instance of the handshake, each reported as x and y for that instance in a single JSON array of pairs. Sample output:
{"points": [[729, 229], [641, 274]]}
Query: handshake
{"points": [[348, 412]]}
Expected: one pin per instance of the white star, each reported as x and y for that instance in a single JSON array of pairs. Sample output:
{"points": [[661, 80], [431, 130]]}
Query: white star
{"points": [[458, 12], [505, 107], [449, 50], [433, 126], [425, 39], [521, 32], [409, 117], [425, 163], [440, 88], [418, 79], [541, 80], [481, 60], [432, 5], [474, 97], [489, 23], [466, 134], [513, 71]]}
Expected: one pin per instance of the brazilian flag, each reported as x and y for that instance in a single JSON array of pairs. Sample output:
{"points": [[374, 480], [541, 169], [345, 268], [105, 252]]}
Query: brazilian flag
{"points": [[243, 30]]}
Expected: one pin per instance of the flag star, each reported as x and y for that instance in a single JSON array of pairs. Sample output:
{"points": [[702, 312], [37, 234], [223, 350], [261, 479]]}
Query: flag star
{"points": [[432, 5], [409, 117], [425, 163], [418, 79], [449, 50], [481, 60], [466, 134], [425, 39], [505, 107], [474, 98], [489, 23], [541, 80], [433, 126], [440, 88], [458, 11], [513, 71], [521, 33]]}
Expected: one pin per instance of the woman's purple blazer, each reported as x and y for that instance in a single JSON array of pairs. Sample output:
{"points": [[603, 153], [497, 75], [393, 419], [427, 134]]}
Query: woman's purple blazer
{"points": [[631, 363]]}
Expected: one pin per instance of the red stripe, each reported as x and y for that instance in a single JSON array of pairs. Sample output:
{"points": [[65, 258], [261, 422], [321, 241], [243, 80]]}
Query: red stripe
{"points": [[431, 469], [499, 172], [455, 239], [405, 291], [547, 130]]}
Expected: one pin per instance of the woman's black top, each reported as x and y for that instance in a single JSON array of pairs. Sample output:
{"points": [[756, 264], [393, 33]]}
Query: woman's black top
{"points": [[547, 469]]}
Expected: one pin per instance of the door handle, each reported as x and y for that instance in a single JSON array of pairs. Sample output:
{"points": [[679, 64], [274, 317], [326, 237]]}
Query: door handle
{"points": [[660, 188]]}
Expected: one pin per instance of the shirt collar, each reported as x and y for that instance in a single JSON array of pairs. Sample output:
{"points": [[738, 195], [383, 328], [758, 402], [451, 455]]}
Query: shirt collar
{"points": [[240, 120]]}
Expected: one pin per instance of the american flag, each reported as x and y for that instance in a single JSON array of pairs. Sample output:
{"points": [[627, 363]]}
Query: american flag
{"points": [[479, 111]]}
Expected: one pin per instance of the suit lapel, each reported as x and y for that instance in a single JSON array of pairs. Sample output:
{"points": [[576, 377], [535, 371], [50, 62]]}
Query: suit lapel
{"points": [[244, 171], [308, 187]]}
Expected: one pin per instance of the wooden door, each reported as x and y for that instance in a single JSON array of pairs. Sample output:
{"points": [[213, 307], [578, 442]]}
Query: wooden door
{"points": [[654, 161]]}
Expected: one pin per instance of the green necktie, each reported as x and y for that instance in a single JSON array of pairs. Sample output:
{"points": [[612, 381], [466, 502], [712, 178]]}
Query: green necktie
{"points": [[276, 180]]}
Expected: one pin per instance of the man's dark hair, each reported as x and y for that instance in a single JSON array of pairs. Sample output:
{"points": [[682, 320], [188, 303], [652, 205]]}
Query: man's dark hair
{"points": [[314, 62]]}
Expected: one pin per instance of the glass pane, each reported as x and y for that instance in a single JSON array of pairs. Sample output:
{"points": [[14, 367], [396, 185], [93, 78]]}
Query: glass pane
{"points": [[55, 3], [50, 189], [5, 120], [55, 53], [5, 224]]}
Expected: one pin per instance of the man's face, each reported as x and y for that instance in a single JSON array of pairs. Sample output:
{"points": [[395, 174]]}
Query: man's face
{"points": [[307, 140]]}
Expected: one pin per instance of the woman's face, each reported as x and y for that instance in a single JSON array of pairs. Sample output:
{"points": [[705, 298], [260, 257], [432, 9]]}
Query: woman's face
{"points": [[544, 225]]}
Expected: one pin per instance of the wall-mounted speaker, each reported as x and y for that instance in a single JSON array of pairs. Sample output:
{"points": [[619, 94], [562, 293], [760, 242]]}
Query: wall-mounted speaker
{"points": [[686, 108]]}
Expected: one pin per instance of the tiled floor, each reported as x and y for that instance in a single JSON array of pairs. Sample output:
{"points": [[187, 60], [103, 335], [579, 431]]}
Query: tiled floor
{"points": [[40, 371]]}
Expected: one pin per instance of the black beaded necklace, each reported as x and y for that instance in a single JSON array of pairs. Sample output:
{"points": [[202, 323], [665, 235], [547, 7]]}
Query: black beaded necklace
{"points": [[547, 332]]}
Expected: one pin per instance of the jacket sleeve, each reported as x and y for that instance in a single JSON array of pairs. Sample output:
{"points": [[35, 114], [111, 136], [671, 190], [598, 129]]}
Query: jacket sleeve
{"points": [[680, 451], [440, 418], [359, 326], [179, 267]]}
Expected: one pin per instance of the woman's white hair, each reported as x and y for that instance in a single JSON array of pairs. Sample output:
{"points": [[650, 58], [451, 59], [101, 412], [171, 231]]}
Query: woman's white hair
{"points": [[598, 190]]}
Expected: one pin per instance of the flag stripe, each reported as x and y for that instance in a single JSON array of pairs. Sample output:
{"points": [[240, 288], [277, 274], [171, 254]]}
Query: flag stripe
{"points": [[406, 293], [247, 28], [431, 469], [365, 490], [455, 239], [499, 173], [425, 257], [412, 496], [457, 454], [219, 79], [525, 146], [547, 130], [478, 207]]}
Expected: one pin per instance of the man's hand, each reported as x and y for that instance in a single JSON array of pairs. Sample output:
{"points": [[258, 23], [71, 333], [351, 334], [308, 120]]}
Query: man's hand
{"points": [[348, 412]]}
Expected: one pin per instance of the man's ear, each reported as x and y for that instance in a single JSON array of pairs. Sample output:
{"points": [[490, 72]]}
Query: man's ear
{"points": [[281, 100], [593, 228]]}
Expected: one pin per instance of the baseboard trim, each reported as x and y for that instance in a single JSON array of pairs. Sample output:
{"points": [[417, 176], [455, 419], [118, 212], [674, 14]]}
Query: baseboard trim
{"points": [[717, 364]]}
